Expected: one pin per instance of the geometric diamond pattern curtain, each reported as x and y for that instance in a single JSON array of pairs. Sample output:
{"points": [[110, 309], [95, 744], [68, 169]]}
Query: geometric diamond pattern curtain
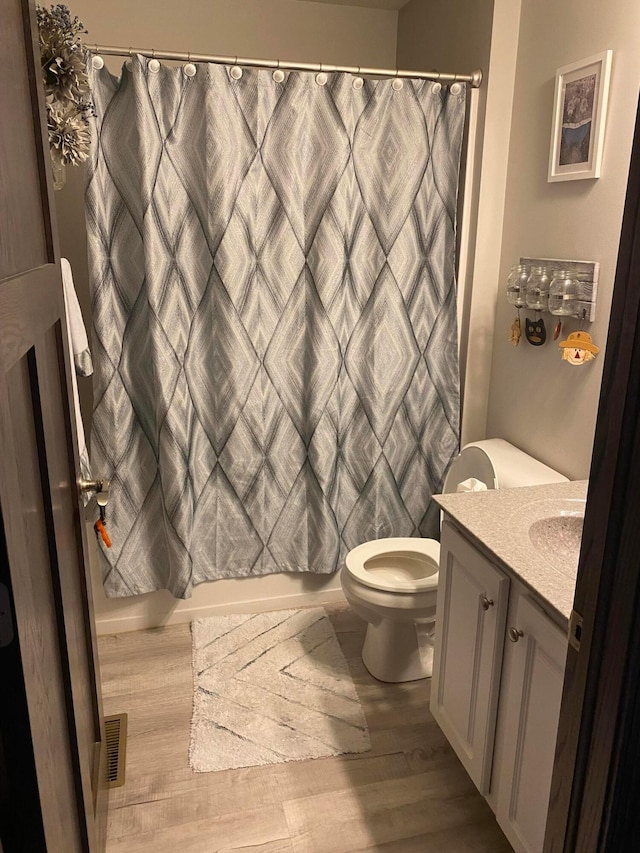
{"points": [[275, 339]]}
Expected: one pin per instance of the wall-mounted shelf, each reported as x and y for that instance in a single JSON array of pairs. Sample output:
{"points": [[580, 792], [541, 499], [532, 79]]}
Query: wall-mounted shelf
{"points": [[586, 272]]}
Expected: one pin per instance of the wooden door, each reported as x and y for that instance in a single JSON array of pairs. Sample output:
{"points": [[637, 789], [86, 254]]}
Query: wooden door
{"points": [[530, 697], [51, 729], [594, 793], [470, 620]]}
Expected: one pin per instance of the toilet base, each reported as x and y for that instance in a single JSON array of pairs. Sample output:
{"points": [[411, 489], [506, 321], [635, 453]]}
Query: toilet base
{"points": [[398, 651]]}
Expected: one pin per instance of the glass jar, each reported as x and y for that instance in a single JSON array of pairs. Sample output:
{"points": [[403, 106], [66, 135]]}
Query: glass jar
{"points": [[538, 289], [564, 293], [517, 285]]}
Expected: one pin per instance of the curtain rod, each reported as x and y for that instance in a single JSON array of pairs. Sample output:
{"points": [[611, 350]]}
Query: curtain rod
{"points": [[474, 79]]}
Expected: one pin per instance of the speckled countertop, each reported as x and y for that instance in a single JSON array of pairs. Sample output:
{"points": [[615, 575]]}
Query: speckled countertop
{"points": [[500, 520]]}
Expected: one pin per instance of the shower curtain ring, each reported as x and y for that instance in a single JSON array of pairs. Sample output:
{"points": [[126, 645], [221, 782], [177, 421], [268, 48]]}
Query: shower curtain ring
{"points": [[130, 49], [278, 75], [97, 61], [396, 83], [153, 53]]}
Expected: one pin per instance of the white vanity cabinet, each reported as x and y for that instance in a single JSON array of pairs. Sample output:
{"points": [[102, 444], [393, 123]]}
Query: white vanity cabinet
{"points": [[530, 696], [471, 614], [497, 686]]}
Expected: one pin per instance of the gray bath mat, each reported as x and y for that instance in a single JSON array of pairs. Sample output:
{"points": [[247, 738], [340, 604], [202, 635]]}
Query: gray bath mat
{"points": [[271, 687]]}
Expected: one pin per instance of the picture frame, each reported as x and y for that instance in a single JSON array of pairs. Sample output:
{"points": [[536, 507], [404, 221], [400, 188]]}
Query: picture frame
{"points": [[579, 117]]}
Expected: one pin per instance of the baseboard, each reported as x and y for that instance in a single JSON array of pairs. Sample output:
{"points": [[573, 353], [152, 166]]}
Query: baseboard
{"points": [[186, 612]]}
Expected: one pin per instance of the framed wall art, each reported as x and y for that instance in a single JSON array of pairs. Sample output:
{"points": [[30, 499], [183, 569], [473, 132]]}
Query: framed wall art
{"points": [[579, 114]]}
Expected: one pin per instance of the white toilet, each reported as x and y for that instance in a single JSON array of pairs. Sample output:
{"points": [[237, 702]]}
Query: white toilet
{"points": [[392, 583]]}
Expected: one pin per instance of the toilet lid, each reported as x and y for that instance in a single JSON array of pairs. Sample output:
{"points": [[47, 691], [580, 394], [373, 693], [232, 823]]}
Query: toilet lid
{"points": [[398, 564], [471, 462]]}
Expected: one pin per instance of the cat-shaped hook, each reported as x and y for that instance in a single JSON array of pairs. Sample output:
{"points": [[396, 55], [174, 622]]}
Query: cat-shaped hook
{"points": [[535, 331]]}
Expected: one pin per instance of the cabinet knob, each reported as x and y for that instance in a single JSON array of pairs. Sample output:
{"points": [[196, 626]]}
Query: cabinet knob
{"points": [[515, 634], [486, 602]]}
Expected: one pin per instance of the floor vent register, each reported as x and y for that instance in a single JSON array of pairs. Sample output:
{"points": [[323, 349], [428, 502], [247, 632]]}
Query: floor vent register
{"points": [[115, 728]]}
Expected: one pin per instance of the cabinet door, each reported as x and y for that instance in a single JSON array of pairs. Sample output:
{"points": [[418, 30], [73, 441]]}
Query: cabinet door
{"points": [[470, 622], [529, 712]]}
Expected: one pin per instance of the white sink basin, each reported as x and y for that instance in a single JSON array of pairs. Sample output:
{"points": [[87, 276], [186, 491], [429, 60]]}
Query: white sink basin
{"points": [[554, 528]]}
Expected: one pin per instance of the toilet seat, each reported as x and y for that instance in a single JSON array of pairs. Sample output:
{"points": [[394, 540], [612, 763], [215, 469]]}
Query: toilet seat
{"points": [[402, 564], [393, 583]]}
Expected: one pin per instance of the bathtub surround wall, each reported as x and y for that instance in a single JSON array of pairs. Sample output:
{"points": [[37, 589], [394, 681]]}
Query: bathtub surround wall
{"points": [[272, 269], [235, 595]]}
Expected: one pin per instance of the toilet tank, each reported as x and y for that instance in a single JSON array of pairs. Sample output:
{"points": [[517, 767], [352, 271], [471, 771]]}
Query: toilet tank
{"points": [[499, 465]]}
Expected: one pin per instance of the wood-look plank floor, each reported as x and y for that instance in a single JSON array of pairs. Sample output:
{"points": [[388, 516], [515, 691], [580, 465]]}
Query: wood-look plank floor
{"points": [[409, 794]]}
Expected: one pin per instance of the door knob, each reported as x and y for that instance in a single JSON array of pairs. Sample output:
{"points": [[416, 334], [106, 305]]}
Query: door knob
{"points": [[101, 489], [99, 485], [486, 602], [515, 634]]}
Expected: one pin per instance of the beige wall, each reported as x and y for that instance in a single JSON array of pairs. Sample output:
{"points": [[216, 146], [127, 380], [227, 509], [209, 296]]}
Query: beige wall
{"points": [[461, 35], [446, 35], [541, 404], [285, 29]]}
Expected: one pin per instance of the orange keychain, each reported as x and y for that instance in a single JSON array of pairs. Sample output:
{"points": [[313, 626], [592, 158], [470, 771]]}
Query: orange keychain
{"points": [[101, 531], [100, 527]]}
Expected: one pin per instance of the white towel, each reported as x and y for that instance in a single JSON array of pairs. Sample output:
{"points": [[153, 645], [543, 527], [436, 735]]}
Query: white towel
{"points": [[79, 346], [77, 332]]}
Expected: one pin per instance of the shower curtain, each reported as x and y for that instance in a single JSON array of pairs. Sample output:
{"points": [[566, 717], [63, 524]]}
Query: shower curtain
{"points": [[272, 272]]}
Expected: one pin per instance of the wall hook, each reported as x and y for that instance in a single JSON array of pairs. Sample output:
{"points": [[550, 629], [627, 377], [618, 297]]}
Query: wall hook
{"points": [[583, 317]]}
